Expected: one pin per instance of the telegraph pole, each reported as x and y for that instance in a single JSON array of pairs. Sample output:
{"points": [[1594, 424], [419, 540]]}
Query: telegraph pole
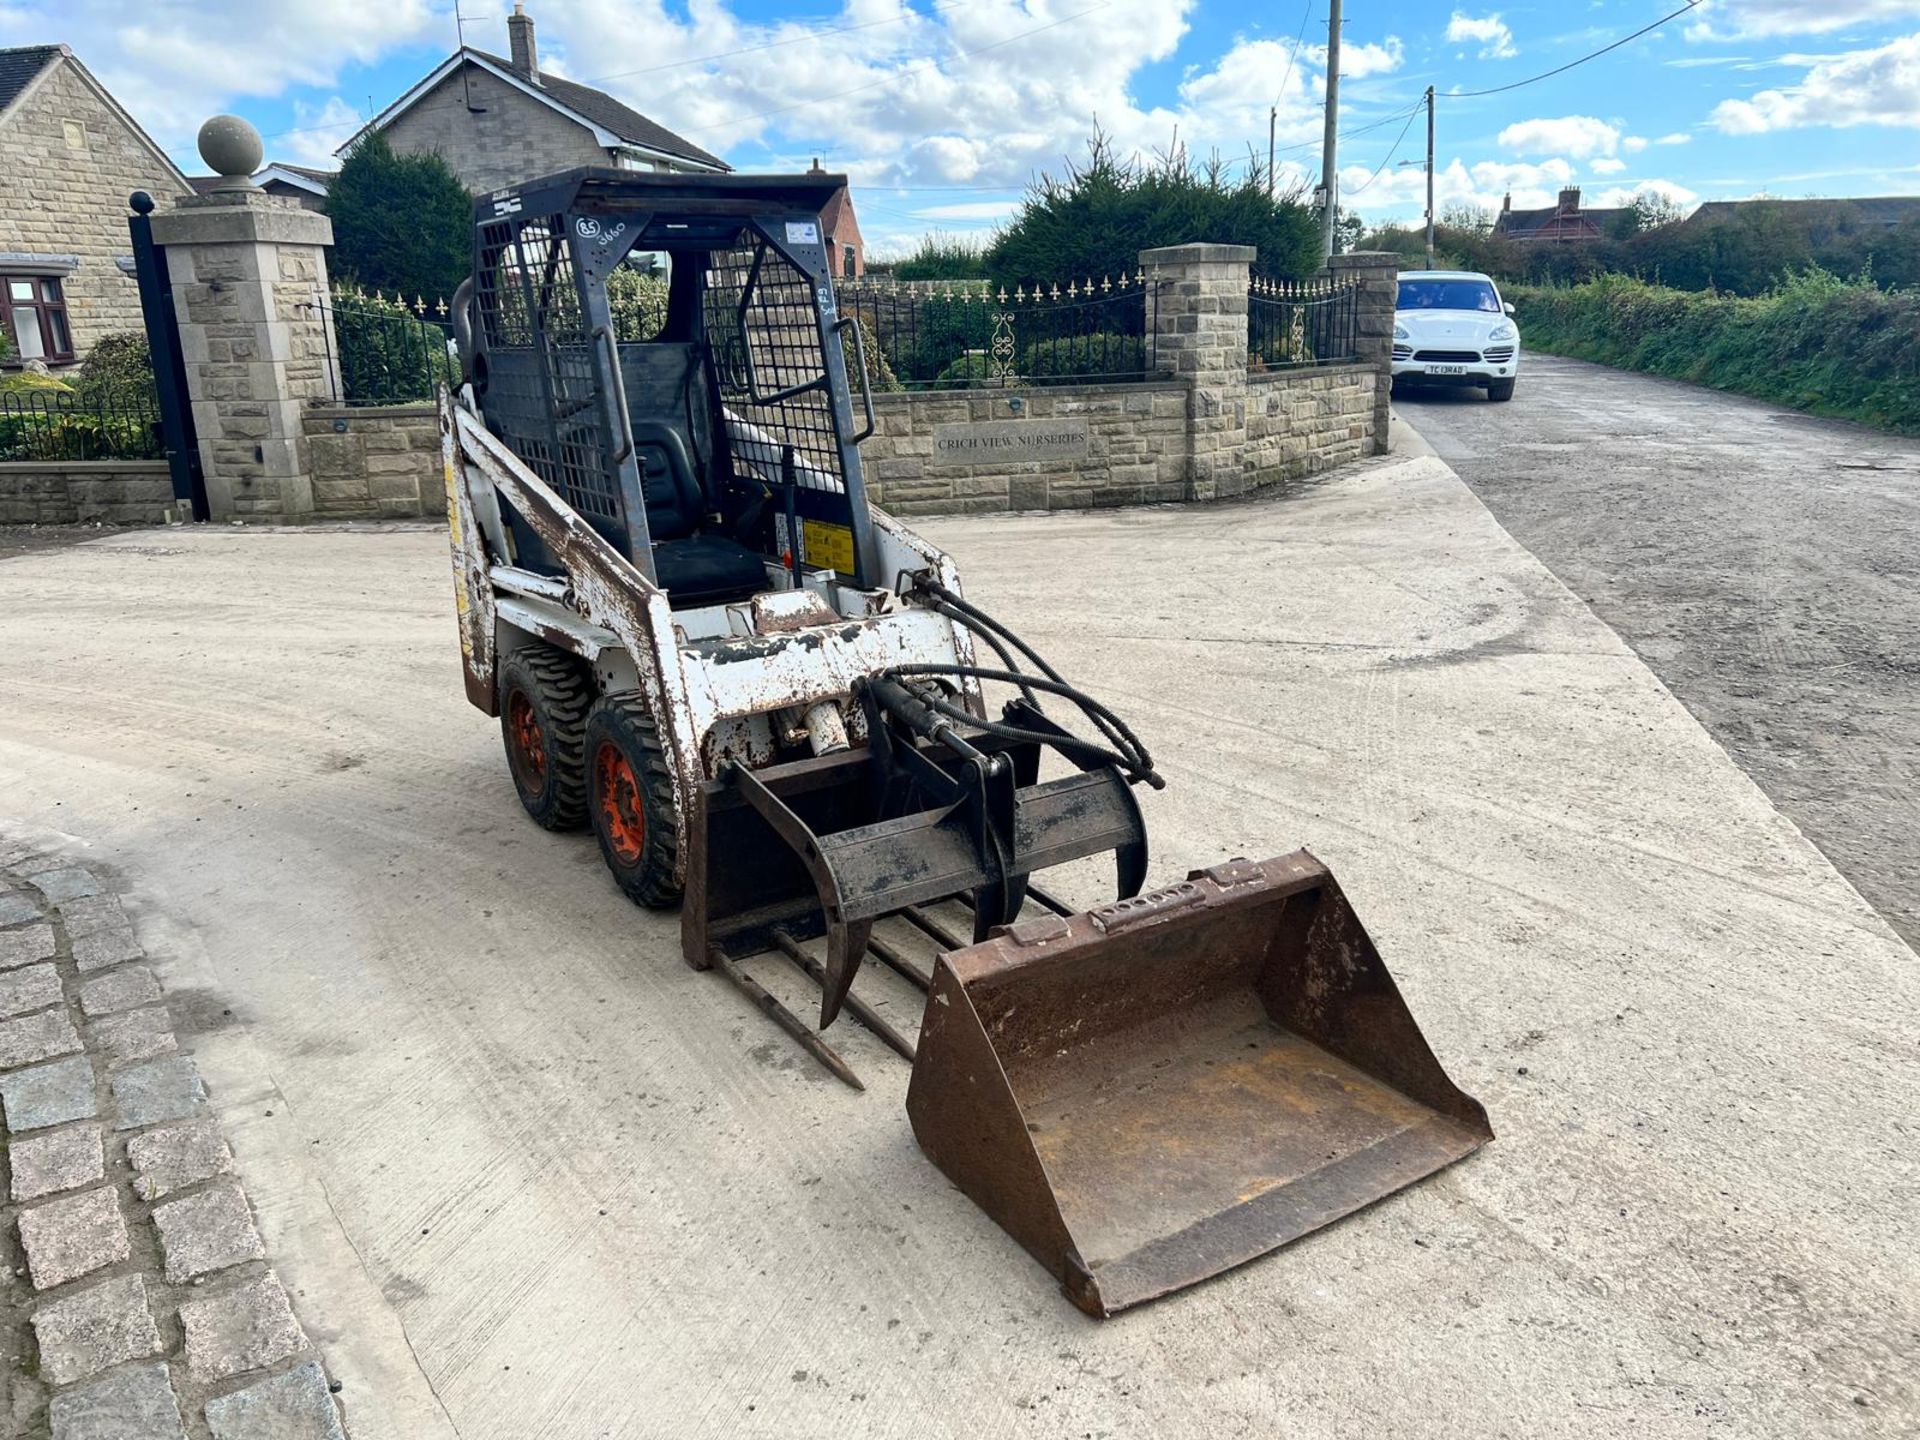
{"points": [[1330, 151], [1429, 177]]}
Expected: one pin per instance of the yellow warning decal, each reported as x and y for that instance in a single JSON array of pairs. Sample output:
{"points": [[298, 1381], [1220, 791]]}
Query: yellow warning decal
{"points": [[826, 545]]}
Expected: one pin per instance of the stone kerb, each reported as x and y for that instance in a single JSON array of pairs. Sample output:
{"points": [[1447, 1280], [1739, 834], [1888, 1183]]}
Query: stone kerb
{"points": [[247, 271]]}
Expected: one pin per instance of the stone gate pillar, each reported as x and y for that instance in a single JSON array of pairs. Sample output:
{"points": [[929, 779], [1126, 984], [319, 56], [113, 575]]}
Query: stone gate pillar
{"points": [[1200, 333], [249, 274], [1379, 275]]}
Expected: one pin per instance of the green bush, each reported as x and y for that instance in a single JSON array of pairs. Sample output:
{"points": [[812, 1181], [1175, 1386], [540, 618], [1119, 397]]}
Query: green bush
{"points": [[400, 222], [638, 302], [1088, 358], [28, 382], [118, 370], [388, 355], [942, 257], [1095, 222], [969, 372], [1814, 341], [880, 377]]}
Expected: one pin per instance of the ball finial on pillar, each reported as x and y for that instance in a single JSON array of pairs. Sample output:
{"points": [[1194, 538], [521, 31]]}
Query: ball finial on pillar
{"points": [[231, 147]]}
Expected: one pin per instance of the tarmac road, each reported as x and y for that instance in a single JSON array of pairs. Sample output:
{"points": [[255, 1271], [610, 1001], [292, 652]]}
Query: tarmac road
{"points": [[1764, 563], [527, 1175]]}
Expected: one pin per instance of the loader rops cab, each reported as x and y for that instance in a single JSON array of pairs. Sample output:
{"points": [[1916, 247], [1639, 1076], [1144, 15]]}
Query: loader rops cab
{"points": [[769, 700]]}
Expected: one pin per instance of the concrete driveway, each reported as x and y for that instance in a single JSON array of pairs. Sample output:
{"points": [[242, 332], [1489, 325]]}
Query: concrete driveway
{"points": [[527, 1175], [1765, 563]]}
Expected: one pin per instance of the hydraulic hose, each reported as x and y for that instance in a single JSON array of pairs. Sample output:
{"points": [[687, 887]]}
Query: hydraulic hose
{"points": [[1123, 750]]}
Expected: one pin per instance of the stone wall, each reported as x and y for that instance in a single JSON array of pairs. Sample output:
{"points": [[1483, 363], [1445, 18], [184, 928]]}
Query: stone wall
{"points": [[1139, 448], [1304, 422], [80, 492], [70, 160], [1209, 431], [1136, 449], [376, 462]]}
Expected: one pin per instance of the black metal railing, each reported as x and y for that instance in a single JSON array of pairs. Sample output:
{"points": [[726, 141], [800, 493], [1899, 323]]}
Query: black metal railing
{"points": [[92, 425], [969, 335], [388, 351], [1292, 324]]}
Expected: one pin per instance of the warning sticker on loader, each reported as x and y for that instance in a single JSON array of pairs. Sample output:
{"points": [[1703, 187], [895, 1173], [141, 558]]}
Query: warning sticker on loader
{"points": [[826, 545]]}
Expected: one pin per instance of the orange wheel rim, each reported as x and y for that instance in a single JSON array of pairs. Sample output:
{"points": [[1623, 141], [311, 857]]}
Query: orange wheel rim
{"points": [[529, 745], [620, 812]]}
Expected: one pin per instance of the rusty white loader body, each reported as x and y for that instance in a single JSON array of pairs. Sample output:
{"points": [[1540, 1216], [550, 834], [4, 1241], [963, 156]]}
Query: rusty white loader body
{"points": [[768, 699]]}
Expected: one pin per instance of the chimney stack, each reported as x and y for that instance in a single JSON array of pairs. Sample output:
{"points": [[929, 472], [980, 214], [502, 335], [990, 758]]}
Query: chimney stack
{"points": [[526, 58], [1570, 200]]}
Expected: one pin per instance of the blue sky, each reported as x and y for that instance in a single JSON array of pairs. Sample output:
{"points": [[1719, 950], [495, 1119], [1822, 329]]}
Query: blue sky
{"points": [[943, 109]]}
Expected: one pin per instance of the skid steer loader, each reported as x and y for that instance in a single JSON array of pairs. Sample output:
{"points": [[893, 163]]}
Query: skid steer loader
{"points": [[769, 701]]}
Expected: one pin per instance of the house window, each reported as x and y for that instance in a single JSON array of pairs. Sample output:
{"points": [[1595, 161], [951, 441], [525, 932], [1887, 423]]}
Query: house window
{"points": [[846, 262], [34, 311]]}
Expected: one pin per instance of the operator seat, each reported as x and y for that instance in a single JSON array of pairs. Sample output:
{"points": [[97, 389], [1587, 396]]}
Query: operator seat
{"points": [[694, 567]]}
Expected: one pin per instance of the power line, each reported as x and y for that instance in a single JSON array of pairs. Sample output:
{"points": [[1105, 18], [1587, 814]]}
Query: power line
{"points": [[1306, 13], [1561, 70], [1361, 188]]}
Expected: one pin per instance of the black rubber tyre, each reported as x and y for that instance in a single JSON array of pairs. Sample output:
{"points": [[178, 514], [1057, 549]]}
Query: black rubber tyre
{"points": [[544, 698], [630, 800], [1500, 389]]}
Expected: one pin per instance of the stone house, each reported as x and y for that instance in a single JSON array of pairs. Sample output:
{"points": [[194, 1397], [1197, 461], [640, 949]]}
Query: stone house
{"points": [[1564, 223], [500, 121], [69, 158]]}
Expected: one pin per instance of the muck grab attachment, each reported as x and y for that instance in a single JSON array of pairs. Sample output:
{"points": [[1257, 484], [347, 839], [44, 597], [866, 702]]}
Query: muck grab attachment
{"points": [[768, 699]]}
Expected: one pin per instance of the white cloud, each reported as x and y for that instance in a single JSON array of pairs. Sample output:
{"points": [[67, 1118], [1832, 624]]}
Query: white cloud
{"points": [[1729, 19], [984, 93], [1678, 137], [1489, 32], [1868, 87], [969, 210], [1607, 166], [1665, 190], [174, 65], [1634, 144], [317, 133], [1356, 61], [1575, 135]]}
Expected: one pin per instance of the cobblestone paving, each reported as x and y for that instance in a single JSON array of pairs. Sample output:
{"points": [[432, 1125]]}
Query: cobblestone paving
{"points": [[136, 1302]]}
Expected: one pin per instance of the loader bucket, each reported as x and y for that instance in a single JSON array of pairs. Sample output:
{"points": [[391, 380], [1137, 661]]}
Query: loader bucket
{"points": [[1159, 1090]]}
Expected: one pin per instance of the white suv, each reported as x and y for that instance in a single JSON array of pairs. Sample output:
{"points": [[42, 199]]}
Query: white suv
{"points": [[1452, 328]]}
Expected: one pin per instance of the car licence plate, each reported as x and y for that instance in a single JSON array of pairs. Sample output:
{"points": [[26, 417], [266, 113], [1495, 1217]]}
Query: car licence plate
{"points": [[1446, 369]]}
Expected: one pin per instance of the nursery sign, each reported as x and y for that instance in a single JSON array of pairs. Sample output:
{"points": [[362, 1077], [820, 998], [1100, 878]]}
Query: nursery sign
{"points": [[1009, 442]]}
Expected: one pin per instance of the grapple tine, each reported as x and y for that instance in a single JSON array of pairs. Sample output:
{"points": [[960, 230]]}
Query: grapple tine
{"points": [[784, 1018], [861, 1010], [900, 964], [846, 943]]}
